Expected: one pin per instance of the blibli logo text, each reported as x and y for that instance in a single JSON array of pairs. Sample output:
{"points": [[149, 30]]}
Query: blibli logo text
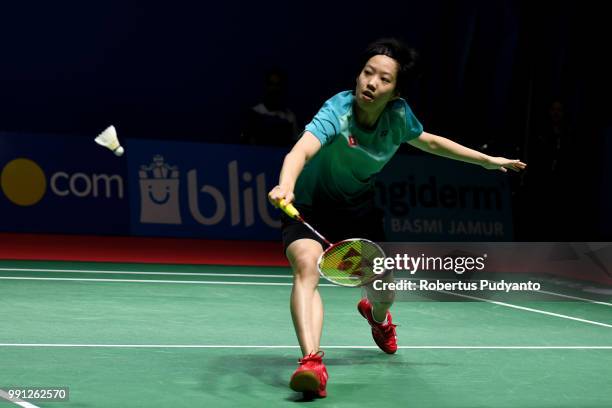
{"points": [[241, 204]]}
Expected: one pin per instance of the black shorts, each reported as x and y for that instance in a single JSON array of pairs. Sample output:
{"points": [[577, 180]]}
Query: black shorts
{"points": [[334, 224]]}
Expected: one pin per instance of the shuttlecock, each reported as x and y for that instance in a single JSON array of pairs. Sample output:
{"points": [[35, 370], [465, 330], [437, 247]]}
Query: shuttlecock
{"points": [[109, 139]]}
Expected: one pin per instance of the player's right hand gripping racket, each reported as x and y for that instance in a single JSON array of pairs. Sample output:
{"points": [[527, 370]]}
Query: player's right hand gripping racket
{"points": [[349, 262]]}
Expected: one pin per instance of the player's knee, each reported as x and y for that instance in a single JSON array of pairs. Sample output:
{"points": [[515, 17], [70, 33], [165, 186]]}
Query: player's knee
{"points": [[304, 264], [305, 267], [303, 256]]}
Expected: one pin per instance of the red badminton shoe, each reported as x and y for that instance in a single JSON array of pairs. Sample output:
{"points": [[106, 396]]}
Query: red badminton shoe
{"points": [[383, 333], [311, 376]]}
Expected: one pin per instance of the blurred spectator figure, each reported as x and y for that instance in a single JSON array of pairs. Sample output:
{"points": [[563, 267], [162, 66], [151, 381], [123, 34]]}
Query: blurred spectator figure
{"points": [[271, 122], [552, 143], [558, 137], [549, 172], [554, 147]]}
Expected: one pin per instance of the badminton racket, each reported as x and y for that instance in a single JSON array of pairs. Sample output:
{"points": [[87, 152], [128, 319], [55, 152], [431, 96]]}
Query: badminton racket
{"points": [[349, 262]]}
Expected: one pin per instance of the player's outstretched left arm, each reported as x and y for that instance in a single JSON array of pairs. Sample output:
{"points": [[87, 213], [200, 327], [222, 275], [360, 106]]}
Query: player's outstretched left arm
{"points": [[444, 147]]}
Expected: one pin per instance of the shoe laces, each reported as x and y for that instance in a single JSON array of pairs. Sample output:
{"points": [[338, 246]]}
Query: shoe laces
{"points": [[386, 329], [389, 328], [312, 357]]}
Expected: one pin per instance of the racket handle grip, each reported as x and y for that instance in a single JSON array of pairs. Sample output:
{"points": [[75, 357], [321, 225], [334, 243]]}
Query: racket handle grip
{"points": [[289, 209]]}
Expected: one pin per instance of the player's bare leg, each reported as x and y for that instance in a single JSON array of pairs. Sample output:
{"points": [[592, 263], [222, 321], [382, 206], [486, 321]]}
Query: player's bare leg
{"points": [[375, 309], [381, 300], [306, 304], [317, 321]]}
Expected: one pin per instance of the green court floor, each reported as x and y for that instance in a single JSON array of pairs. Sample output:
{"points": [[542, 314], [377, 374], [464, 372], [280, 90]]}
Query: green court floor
{"points": [[131, 335]]}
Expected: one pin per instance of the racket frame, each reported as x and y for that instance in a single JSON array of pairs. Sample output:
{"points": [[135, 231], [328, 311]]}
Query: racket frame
{"points": [[292, 212], [361, 283]]}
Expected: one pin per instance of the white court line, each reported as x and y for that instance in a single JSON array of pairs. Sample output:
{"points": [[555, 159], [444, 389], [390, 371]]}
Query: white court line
{"points": [[224, 346], [17, 401], [242, 275], [290, 284], [597, 302], [250, 275], [157, 281], [528, 309]]}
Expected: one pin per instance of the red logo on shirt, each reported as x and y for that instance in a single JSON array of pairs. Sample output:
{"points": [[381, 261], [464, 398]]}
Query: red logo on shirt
{"points": [[352, 141]]}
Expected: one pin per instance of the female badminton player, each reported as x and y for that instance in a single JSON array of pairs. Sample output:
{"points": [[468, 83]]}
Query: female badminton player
{"points": [[329, 177]]}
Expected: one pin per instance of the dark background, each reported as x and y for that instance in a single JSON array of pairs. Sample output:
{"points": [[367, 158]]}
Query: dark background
{"points": [[491, 71]]}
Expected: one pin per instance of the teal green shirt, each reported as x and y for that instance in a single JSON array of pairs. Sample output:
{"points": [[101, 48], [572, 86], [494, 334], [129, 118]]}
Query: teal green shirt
{"points": [[343, 171]]}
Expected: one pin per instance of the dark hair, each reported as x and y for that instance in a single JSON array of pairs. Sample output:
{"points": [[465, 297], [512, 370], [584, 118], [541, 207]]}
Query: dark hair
{"points": [[406, 57]]}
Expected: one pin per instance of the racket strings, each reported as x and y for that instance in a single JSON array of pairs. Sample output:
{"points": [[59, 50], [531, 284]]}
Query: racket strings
{"points": [[350, 262]]}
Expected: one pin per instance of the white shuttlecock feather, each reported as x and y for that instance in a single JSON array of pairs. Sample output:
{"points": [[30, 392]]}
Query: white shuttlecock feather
{"points": [[109, 139]]}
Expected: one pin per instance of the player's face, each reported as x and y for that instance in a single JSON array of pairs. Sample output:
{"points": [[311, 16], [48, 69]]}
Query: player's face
{"points": [[376, 83]]}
